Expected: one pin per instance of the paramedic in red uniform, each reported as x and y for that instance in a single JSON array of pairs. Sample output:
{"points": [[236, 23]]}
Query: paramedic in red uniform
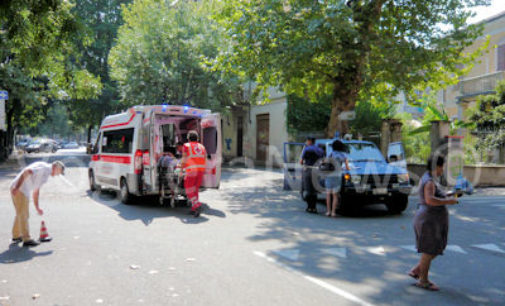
{"points": [[193, 161]]}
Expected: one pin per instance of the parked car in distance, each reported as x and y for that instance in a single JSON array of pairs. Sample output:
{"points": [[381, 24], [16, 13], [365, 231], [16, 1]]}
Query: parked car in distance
{"points": [[21, 145], [46, 145], [71, 145]]}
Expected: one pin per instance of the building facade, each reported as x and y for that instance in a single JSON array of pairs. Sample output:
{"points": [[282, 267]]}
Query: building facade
{"points": [[484, 76], [255, 135]]}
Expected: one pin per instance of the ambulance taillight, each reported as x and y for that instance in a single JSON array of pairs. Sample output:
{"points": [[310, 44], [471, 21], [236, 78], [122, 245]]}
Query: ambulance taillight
{"points": [[137, 161]]}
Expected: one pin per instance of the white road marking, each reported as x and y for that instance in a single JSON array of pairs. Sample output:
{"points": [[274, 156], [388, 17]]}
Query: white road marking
{"points": [[489, 247], [340, 292], [339, 252], [453, 248], [409, 248], [456, 248], [375, 250], [288, 254]]}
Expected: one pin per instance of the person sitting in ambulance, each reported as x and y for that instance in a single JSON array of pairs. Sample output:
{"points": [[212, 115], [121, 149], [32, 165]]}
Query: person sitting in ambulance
{"points": [[168, 160], [178, 148]]}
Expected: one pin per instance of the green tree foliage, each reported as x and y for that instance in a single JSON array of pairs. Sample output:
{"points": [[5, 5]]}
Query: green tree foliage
{"points": [[304, 116], [488, 117], [369, 117], [347, 48], [56, 123], [102, 19], [161, 55], [38, 55]]}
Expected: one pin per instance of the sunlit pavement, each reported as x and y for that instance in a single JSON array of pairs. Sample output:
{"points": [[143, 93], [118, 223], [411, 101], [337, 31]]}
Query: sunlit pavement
{"points": [[253, 245]]}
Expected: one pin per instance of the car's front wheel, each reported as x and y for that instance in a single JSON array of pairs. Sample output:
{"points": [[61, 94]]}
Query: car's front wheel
{"points": [[397, 203]]}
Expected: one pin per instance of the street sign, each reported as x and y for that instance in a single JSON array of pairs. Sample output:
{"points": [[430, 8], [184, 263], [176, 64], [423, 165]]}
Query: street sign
{"points": [[4, 95], [347, 115]]}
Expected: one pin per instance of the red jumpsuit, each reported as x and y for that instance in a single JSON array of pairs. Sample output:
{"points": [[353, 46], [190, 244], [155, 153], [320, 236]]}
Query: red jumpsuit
{"points": [[195, 168]]}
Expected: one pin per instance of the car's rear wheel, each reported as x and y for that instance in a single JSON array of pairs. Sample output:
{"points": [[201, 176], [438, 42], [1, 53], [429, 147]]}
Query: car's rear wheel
{"points": [[397, 204], [124, 193]]}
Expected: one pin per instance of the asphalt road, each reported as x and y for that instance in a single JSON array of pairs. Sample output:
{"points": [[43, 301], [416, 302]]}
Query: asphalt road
{"points": [[253, 245]]}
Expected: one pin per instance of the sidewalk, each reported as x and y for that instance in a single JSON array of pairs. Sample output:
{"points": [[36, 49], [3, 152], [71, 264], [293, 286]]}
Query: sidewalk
{"points": [[10, 164], [489, 191]]}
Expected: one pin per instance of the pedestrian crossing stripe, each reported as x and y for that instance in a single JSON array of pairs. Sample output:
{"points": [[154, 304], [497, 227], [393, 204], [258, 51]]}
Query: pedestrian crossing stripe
{"points": [[456, 249], [292, 254], [409, 248], [489, 247], [375, 250], [339, 252], [450, 247]]}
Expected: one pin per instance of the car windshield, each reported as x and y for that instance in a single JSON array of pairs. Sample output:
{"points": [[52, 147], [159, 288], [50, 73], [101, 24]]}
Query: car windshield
{"points": [[364, 152]]}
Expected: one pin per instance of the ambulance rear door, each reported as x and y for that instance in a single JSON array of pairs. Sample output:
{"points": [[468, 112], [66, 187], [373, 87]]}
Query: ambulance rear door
{"points": [[149, 155], [211, 139]]}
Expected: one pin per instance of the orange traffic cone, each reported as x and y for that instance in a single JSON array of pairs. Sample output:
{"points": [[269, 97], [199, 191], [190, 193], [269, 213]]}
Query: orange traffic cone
{"points": [[44, 236]]}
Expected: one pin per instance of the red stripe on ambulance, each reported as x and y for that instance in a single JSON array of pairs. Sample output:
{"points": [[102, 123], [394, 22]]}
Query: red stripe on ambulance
{"points": [[115, 159]]}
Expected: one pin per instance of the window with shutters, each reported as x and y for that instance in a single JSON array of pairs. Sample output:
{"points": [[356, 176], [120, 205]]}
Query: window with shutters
{"points": [[501, 58]]}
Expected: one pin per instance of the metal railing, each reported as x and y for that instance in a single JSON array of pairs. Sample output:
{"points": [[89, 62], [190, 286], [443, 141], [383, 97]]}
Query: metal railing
{"points": [[481, 84]]}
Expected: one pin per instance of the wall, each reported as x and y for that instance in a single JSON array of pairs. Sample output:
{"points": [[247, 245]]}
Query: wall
{"points": [[478, 175], [278, 133], [229, 127]]}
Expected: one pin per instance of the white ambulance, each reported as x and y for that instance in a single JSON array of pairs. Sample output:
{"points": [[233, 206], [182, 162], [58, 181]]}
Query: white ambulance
{"points": [[130, 144]]}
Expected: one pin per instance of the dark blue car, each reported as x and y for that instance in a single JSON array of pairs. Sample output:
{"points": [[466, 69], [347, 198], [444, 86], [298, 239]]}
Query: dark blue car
{"points": [[371, 179]]}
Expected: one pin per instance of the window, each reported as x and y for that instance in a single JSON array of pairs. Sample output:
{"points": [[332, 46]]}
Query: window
{"points": [[501, 57], [119, 141], [210, 140], [364, 152]]}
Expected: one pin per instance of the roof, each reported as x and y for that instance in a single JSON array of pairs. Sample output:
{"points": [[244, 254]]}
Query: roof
{"points": [[492, 18]]}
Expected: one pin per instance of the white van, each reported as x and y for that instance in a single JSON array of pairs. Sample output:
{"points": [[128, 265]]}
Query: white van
{"points": [[129, 145]]}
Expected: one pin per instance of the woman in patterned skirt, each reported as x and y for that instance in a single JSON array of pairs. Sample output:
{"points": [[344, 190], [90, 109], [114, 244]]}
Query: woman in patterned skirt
{"points": [[431, 222]]}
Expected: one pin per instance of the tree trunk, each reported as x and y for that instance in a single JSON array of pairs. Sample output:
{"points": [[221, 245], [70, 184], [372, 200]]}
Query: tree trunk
{"points": [[349, 82], [90, 127], [345, 95]]}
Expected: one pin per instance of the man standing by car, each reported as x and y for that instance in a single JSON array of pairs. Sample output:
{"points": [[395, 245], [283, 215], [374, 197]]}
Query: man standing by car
{"points": [[193, 161], [310, 154], [26, 183]]}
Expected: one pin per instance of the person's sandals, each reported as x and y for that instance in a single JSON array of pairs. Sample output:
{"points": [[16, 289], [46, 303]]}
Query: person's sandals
{"points": [[328, 214], [427, 286], [414, 275]]}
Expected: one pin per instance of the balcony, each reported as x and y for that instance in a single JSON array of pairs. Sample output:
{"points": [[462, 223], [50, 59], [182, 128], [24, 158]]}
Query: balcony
{"points": [[481, 85]]}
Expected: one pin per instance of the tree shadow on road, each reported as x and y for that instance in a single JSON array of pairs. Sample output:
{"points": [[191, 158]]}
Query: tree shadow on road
{"points": [[16, 254], [146, 209], [311, 236]]}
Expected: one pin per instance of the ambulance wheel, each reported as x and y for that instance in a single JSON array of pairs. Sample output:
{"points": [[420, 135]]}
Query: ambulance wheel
{"points": [[124, 194], [92, 182]]}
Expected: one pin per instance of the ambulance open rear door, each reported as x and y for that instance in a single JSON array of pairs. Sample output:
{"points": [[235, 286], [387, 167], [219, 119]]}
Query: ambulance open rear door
{"points": [[211, 139], [150, 151]]}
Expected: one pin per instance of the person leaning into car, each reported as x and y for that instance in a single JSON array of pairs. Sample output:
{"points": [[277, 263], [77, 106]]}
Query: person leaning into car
{"points": [[310, 154]]}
